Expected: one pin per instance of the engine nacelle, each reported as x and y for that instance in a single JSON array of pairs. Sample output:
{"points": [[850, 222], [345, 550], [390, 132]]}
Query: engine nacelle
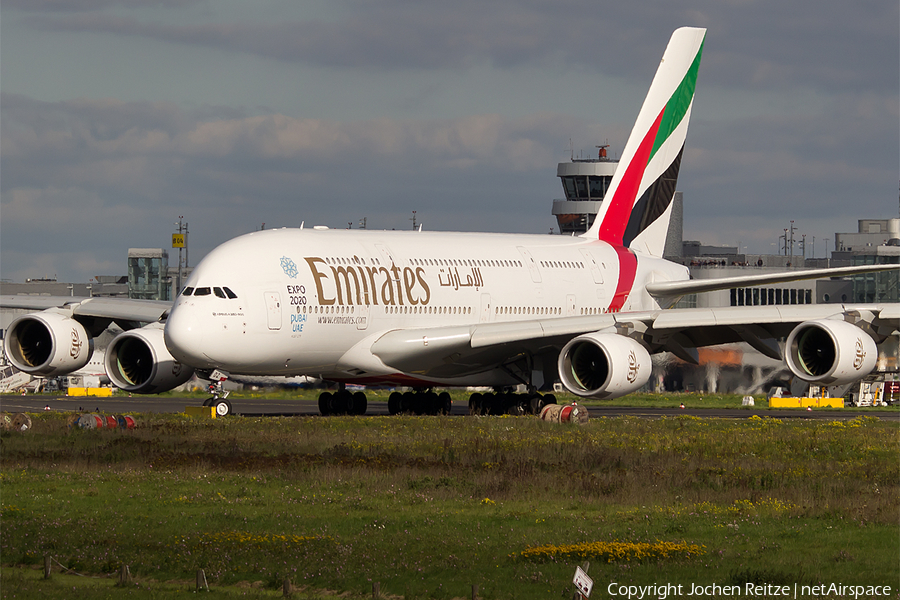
{"points": [[603, 365], [830, 352], [47, 344], [137, 361]]}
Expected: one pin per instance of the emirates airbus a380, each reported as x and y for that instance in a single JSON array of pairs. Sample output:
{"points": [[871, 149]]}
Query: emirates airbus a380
{"points": [[428, 310]]}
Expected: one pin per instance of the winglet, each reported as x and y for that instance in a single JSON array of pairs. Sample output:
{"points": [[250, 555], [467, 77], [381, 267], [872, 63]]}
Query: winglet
{"points": [[636, 210]]}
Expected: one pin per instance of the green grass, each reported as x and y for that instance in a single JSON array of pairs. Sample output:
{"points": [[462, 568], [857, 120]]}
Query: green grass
{"points": [[429, 506]]}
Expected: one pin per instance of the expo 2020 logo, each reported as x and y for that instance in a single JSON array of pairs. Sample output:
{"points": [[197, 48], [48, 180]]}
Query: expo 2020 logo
{"points": [[290, 269]]}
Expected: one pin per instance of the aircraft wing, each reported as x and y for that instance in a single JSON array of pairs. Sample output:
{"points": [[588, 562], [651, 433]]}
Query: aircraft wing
{"points": [[55, 338], [126, 312], [453, 351], [671, 289]]}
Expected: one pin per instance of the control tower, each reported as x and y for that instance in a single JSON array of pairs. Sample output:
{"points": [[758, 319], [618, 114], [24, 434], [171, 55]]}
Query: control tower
{"points": [[584, 181]]}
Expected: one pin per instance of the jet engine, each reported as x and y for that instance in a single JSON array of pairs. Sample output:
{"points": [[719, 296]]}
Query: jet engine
{"points": [[137, 361], [830, 352], [603, 365], [47, 344]]}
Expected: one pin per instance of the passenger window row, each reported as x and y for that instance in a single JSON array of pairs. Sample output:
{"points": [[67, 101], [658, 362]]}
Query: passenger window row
{"points": [[527, 310], [458, 262], [561, 264], [463, 262], [393, 310], [355, 260]]}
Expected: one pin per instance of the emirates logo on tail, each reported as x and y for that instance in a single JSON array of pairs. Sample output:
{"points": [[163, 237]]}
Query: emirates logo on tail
{"points": [[633, 367], [860, 355]]}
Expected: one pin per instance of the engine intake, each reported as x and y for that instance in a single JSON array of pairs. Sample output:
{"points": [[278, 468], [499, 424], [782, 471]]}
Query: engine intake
{"points": [[603, 365], [830, 352], [137, 361], [47, 344]]}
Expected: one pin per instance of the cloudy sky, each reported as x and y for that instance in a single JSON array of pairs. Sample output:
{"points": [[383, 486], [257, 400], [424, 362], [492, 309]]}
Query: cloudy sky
{"points": [[118, 116]]}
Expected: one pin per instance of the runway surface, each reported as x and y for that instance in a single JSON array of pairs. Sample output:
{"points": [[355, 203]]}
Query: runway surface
{"points": [[261, 407]]}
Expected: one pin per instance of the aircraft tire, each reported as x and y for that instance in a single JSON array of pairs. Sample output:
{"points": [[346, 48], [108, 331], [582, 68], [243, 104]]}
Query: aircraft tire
{"points": [[431, 403], [341, 403], [223, 407], [359, 404], [419, 403], [475, 404], [445, 403], [394, 403], [488, 402], [501, 404], [516, 410], [208, 402], [325, 403]]}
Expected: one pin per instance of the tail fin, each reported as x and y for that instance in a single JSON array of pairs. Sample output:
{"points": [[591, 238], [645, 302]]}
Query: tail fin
{"points": [[637, 207]]}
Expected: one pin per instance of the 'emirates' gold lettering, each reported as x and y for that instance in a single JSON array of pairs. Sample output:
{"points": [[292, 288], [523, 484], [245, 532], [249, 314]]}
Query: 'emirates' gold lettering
{"points": [[368, 285]]}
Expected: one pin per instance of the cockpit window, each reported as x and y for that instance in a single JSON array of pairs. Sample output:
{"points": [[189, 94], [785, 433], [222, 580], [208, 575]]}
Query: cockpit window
{"points": [[220, 292]]}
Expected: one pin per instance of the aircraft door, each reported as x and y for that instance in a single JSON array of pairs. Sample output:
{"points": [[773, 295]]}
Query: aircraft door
{"points": [[273, 310], [387, 255], [530, 263], [592, 264], [485, 316], [362, 317]]}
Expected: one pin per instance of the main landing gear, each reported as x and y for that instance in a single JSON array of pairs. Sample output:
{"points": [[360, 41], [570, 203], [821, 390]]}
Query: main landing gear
{"points": [[342, 402], [419, 403], [428, 402], [502, 403]]}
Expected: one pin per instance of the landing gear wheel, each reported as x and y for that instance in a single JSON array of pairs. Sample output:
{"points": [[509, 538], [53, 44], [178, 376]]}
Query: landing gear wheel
{"points": [[341, 402], [325, 403], [208, 402], [407, 402], [223, 408], [475, 404], [394, 402], [359, 404]]}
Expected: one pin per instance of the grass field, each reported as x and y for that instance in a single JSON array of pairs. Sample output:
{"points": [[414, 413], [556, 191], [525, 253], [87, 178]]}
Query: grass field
{"points": [[427, 507]]}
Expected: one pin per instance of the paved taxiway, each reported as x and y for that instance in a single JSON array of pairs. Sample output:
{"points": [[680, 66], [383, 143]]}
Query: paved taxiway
{"points": [[267, 407]]}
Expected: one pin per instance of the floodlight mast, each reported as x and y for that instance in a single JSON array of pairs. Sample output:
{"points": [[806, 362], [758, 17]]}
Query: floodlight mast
{"points": [[182, 231]]}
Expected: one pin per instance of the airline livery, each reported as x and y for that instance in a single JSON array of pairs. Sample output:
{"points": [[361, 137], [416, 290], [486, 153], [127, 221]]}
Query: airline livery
{"points": [[430, 309]]}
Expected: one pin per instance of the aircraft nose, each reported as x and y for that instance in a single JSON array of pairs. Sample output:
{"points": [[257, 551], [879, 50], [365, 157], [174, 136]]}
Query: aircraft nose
{"points": [[184, 336]]}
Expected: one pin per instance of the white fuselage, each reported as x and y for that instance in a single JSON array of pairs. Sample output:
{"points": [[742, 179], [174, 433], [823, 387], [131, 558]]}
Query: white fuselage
{"points": [[306, 297]]}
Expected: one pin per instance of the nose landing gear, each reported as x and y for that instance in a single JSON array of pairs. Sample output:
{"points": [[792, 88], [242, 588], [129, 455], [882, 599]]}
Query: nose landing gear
{"points": [[218, 398]]}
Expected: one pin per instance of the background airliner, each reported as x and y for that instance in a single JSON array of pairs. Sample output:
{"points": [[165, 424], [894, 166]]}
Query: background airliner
{"points": [[428, 310]]}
